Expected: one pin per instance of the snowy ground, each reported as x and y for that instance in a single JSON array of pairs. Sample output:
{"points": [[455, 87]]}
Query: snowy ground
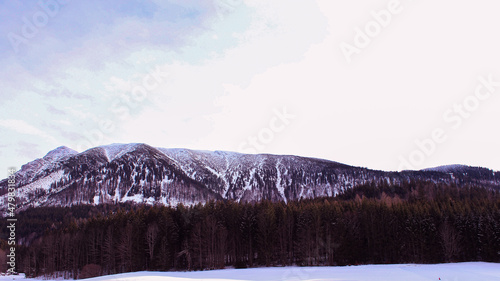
{"points": [[471, 271]]}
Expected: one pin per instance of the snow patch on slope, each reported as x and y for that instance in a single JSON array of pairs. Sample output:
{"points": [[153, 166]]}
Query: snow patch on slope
{"points": [[39, 186], [280, 188], [116, 150]]}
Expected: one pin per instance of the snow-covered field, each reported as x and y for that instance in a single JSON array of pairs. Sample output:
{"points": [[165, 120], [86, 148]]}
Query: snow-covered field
{"points": [[470, 271]]}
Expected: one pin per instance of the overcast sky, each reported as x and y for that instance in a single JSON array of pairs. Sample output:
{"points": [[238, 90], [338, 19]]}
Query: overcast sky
{"points": [[387, 85]]}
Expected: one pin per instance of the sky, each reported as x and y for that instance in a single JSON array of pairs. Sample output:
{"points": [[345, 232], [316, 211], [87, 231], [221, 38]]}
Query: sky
{"points": [[387, 85]]}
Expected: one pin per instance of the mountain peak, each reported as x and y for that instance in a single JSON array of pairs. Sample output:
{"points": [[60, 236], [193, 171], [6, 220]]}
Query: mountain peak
{"points": [[116, 150], [451, 168], [59, 153]]}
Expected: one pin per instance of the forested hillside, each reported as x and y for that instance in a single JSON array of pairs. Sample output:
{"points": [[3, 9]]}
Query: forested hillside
{"points": [[417, 222]]}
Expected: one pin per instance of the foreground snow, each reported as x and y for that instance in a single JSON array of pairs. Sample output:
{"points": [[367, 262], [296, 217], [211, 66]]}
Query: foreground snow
{"points": [[408, 272]]}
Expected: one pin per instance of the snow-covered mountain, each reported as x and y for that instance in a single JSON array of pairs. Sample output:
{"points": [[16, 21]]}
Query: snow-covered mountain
{"points": [[144, 174]]}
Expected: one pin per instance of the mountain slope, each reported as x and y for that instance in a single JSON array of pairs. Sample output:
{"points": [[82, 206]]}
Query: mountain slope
{"points": [[144, 174]]}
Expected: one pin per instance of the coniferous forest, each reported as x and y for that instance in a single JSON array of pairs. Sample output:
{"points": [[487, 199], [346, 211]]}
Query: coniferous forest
{"points": [[416, 222]]}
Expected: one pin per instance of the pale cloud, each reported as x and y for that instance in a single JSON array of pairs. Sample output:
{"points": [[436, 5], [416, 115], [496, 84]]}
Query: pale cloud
{"points": [[28, 149], [20, 126], [230, 70]]}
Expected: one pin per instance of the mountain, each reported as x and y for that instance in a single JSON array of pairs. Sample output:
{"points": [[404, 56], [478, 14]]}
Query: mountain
{"points": [[144, 174]]}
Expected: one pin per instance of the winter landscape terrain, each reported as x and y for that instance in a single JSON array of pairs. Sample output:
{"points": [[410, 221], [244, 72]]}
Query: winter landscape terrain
{"points": [[472, 271], [125, 208], [330, 140]]}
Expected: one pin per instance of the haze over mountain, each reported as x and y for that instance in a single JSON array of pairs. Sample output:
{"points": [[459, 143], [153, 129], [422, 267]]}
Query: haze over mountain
{"points": [[144, 174]]}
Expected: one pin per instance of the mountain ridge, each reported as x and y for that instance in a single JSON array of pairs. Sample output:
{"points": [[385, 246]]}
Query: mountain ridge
{"points": [[141, 173]]}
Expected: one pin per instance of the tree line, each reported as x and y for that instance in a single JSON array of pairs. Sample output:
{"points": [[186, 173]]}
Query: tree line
{"points": [[415, 222]]}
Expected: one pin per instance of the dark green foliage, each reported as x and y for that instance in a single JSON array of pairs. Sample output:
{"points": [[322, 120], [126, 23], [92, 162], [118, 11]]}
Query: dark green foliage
{"points": [[374, 223]]}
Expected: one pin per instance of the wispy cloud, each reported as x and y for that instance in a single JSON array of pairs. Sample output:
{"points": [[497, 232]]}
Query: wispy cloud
{"points": [[21, 127], [28, 149], [230, 63]]}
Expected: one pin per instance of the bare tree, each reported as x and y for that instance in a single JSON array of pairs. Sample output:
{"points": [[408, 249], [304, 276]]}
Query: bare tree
{"points": [[90, 270], [3, 265], [186, 254], [125, 248], [450, 241], [108, 248], [151, 237]]}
